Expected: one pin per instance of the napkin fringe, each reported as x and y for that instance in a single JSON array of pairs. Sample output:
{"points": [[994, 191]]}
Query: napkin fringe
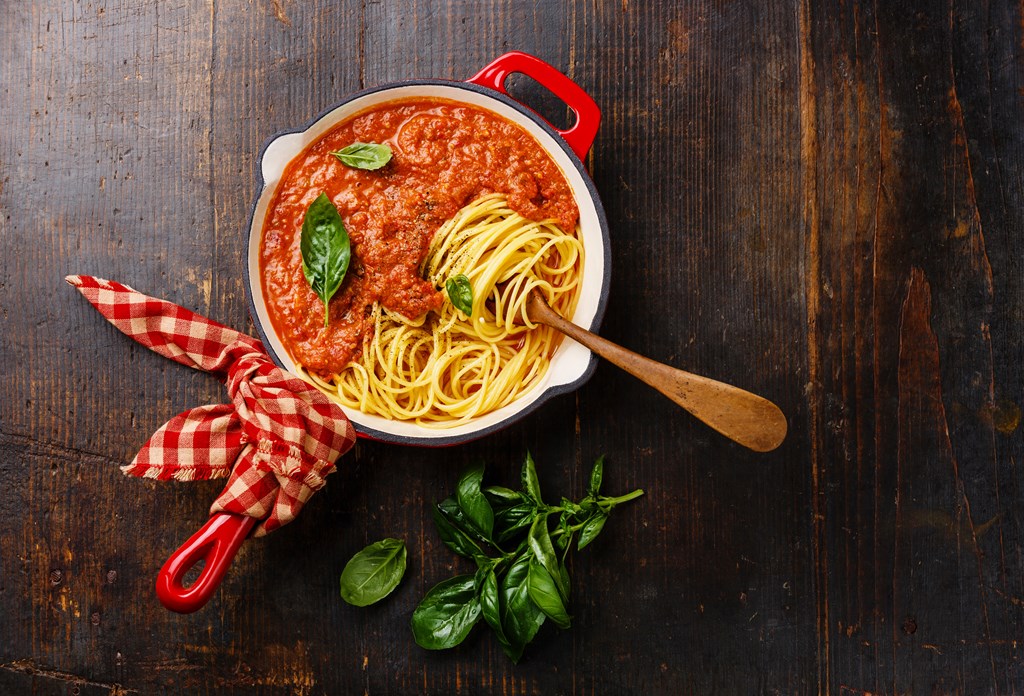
{"points": [[295, 461], [182, 474]]}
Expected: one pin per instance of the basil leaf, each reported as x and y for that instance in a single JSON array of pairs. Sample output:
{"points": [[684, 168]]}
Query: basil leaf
{"points": [[460, 292], [450, 507], [447, 614], [326, 250], [569, 507], [511, 520], [544, 552], [472, 501], [500, 497], [596, 475], [511, 512], [563, 574], [564, 540], [591, 528], [519, 615], [490, 607], [454, 537], [531, 484], [364, 155], [373, 573], [546, 596]]}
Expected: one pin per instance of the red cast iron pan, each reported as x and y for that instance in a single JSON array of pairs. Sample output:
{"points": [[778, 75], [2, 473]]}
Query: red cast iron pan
{"points": [[219, 539]]}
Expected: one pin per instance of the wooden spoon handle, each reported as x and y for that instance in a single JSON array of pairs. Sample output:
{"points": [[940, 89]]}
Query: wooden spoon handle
{"points": [[746, 418]]}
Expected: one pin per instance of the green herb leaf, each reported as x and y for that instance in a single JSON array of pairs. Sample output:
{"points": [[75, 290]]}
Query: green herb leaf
{"points": [[364, 155], [450, 507], [510, 521], [514, 592], [545, 594], [454, 537], [447, 613], [596, 475], [563, 539], [460, 292], [326, 250], [569, 508], [563, 574], [472, 501], [490, 607], [591, 528], [520, 617], [531, 484], [544, 552], [501, 497], [373, 573]]}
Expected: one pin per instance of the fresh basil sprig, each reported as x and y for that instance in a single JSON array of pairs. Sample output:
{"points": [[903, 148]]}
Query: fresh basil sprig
{"points": [[326, 250], [373, 573], [521, 578], [364, 155], [460, 292]]}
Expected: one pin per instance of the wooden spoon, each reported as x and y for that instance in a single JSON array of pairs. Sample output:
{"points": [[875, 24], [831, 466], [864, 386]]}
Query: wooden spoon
{"points": [[746, 418]]}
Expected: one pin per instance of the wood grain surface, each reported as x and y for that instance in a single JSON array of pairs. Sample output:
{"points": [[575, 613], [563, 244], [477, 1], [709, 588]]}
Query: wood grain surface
{"points": [[821, 202]]}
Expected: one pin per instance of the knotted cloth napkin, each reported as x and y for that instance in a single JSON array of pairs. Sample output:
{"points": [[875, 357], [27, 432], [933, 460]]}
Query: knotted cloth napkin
{"points": [[277, 439]]}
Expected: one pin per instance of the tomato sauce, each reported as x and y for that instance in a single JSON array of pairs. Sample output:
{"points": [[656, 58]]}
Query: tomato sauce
{"points": [[445, 155]]}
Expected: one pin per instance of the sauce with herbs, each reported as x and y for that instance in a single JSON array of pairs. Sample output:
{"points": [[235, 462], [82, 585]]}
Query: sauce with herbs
{"points": [[445, 154]]}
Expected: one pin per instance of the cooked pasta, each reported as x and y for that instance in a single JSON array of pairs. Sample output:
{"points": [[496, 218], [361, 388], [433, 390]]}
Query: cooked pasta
{"points": [[445, 367]]}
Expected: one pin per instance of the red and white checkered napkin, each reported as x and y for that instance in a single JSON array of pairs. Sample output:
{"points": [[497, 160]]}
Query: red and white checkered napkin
{"points": [[277, 439]]}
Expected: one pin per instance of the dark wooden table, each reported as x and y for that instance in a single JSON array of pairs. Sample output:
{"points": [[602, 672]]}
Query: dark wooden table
{"points": [[822, 202]]}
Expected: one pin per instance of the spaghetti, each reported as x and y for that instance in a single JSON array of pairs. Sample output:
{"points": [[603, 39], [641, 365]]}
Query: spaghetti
{"points": [[444, 367]]}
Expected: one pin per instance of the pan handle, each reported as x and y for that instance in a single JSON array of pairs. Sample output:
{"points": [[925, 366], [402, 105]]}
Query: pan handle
{"points": [[581, 134], [216, 543]]}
